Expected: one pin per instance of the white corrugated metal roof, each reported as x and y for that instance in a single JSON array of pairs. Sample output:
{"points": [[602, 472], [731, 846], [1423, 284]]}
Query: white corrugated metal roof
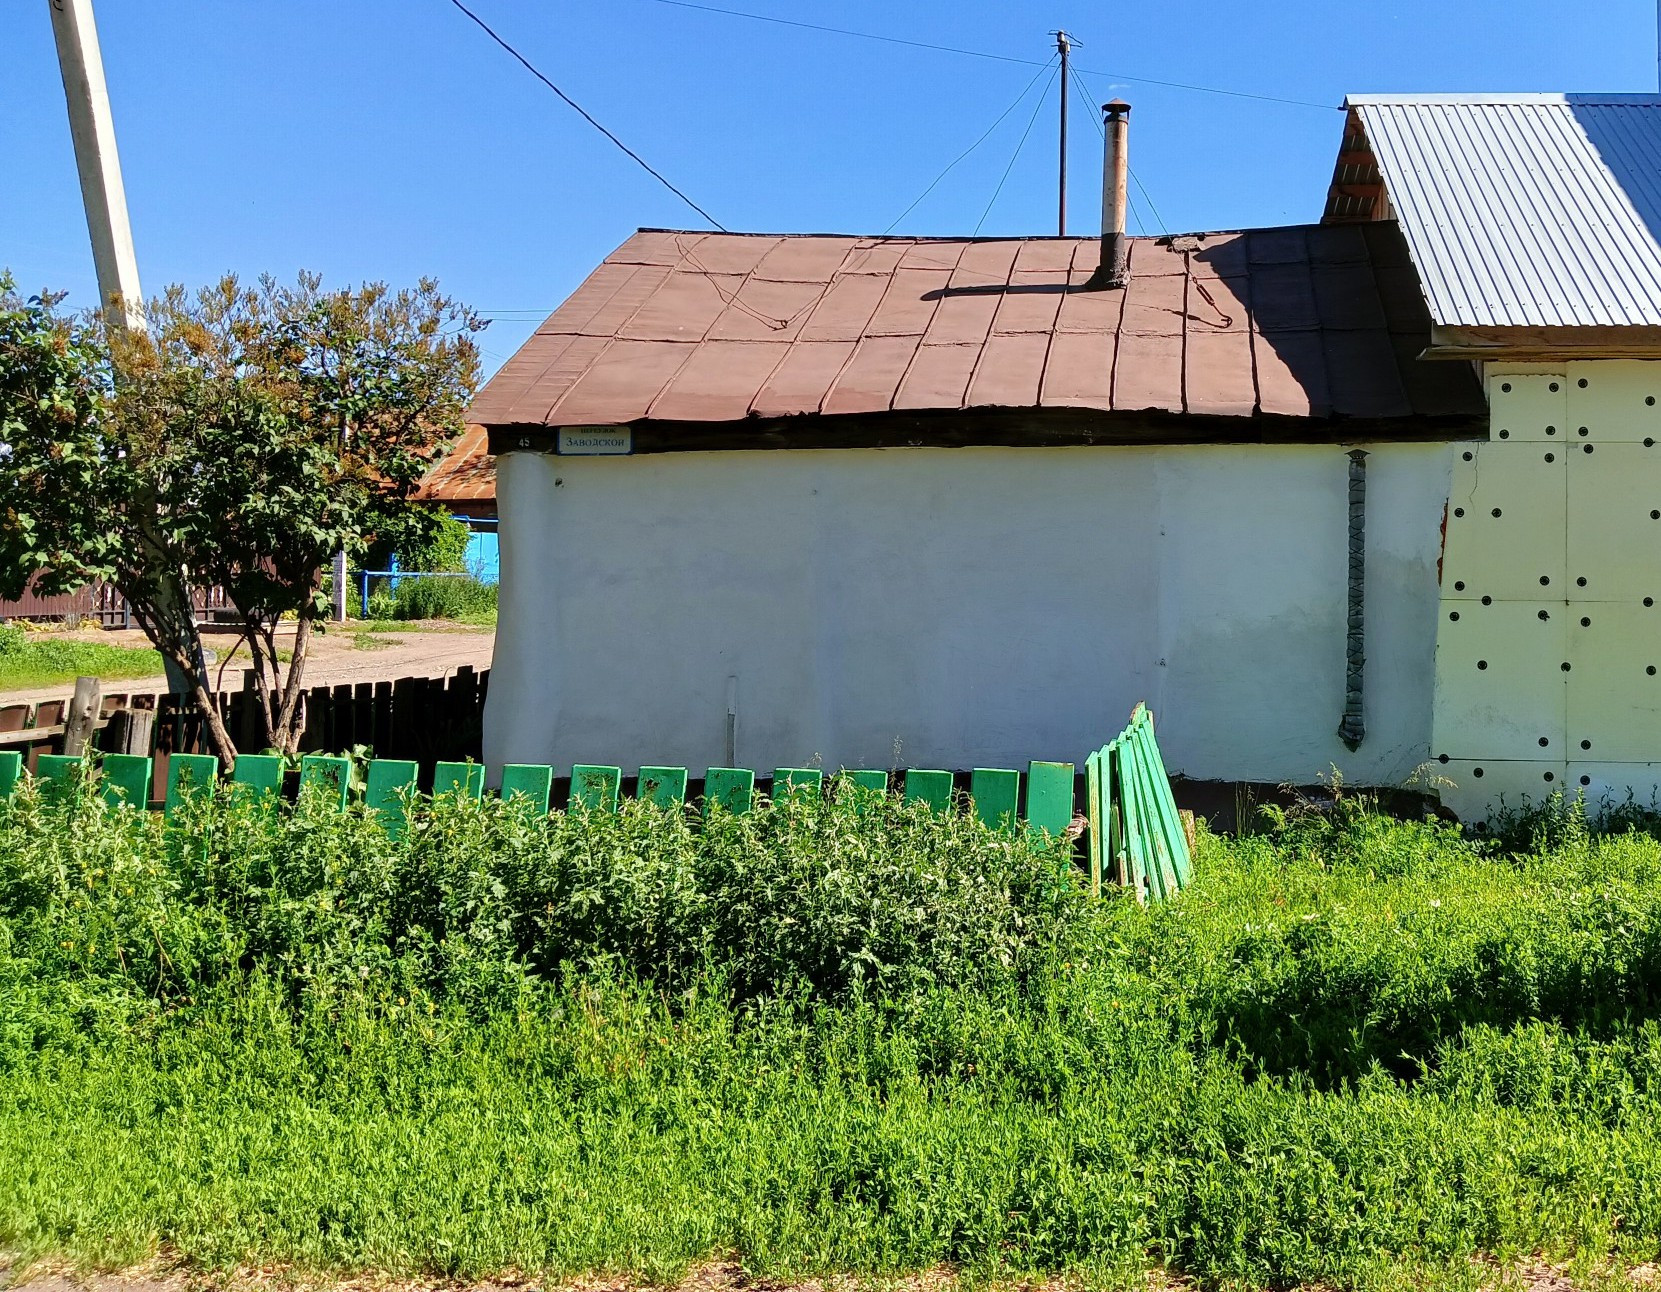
{"points": [[1526, 210]]}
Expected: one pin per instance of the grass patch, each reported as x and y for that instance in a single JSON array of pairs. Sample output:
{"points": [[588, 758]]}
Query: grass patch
{"points": [[373, 641], [462, 599], [31, 660], [826, 1038]]}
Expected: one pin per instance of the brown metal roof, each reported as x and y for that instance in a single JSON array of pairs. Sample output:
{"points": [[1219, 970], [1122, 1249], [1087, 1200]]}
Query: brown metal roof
{"points": [[1313, 322], [466, 474]]}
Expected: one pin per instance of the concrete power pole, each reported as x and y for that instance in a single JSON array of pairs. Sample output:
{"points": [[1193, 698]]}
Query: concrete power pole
{"points": [[93, 129]]}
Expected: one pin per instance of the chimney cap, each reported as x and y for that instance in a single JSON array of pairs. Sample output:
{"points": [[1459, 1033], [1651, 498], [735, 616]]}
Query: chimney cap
{"points": [[1117, 108]]}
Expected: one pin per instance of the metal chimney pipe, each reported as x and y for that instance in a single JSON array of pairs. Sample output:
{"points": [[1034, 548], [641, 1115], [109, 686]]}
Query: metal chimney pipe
{"points": [[1114, 269]]}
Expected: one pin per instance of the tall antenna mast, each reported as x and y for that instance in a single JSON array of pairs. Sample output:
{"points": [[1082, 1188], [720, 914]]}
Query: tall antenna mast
{"points": [[1064, 47]]}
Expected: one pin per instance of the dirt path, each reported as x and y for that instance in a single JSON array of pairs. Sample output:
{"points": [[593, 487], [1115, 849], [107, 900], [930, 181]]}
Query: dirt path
{"points": [[433, 650], [712, 1276]]}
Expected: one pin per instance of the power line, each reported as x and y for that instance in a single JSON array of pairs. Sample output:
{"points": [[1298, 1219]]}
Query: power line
{"points": [[1036, 109], [1019, 99], [981, 53], [638, 159]]}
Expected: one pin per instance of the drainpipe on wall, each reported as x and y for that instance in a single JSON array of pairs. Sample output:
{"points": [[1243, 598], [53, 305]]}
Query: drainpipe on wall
{"points": [[1352, 728]]}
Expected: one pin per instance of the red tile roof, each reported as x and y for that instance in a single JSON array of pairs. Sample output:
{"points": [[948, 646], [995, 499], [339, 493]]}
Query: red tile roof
{"points": [[1315, 322]]}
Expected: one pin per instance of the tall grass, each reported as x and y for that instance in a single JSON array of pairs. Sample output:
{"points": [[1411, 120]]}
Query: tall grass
{"points": [[836, 1037]]}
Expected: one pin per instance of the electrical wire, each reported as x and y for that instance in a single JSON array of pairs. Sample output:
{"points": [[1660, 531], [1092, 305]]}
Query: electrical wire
{"points": [[952, 165], [583, 112], [1036, 109], [1000, 58]]}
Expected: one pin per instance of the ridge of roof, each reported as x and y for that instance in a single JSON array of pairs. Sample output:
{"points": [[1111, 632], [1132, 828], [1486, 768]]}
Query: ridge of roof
{"points": [[984, 237], [1505, 99]]}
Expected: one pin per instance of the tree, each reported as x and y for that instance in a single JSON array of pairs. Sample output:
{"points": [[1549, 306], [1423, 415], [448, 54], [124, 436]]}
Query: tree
{"points": [[249, 435]]}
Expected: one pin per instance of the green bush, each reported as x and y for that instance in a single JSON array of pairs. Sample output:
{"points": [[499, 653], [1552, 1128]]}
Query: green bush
{"points": [[12, 641], [837, 1037], [461, 598]]}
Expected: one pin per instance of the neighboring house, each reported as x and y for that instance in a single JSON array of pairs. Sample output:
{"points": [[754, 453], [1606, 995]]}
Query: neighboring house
{"points": [[464, 483], [932, 502]]}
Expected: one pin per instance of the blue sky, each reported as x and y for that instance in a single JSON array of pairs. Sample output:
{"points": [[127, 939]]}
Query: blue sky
{"points": [[390, 138]]}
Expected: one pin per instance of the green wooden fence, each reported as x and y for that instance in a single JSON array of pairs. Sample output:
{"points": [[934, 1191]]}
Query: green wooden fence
{"points": [[1136, 837], [994, 793]]}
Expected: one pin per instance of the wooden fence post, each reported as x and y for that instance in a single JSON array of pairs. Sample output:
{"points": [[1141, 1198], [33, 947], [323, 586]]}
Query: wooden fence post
{"points": [[82, 717], [130, 731]]}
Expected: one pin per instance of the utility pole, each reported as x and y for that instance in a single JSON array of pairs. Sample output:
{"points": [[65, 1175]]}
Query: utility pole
{"points": [[1064, 47], [93, 129]]}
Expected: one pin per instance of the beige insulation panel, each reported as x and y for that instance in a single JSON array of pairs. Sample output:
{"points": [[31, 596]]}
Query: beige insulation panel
{"points": [[1615, 682], [1506, 518], [1501, 691], [1614, 522], [1473, 788], [1612, 400]]}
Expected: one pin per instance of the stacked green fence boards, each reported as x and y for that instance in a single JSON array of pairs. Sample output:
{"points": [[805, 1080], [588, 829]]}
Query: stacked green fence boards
{"points": [[1136, 836]]}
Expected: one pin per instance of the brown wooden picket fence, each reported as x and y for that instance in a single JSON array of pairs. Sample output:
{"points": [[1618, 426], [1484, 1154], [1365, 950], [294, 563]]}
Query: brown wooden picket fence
{"points": [[424, 718]]}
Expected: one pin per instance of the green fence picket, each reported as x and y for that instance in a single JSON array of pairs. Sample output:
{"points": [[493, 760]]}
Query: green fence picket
{"points": [[931, 787], [11, 771], [732, 787], [1178, 837], [189, 774], [332, 775], [464, 780], [995, 793], [1130, 823], [1096, 829], [258, 774], [530, 782], [664, 786], [386, 785], [803, 783], [56, 769], [126, 779], [873, 782], [595, 788], [1050, 797]]}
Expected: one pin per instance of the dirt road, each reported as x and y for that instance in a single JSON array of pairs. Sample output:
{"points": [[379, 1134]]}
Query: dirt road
{"points": [[362, 655]]}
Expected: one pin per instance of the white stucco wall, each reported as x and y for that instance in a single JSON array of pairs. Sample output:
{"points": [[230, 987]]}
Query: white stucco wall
{"points": [[963, 607]]}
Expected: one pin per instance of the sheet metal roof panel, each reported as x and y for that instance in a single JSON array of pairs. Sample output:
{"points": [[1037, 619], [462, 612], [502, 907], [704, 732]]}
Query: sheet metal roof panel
{"points": [[1526, 210]]}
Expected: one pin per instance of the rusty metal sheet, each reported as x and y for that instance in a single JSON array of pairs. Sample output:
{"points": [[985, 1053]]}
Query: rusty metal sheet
{"points": [[805, 260], [1360, 384], [683, 309], [765, 310], [845, 309], [621, 384], [1219, 378], [619, 307], [719, 382], [909, 303], [1079, 371], [1347, 297], [1220, 255], [938, 376], [1291, 374], [1010, 370], [1031, 301], [1283, 298], [718, 255], [803, 378], [868, 383], [1147, 373], [1155, 305]]}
